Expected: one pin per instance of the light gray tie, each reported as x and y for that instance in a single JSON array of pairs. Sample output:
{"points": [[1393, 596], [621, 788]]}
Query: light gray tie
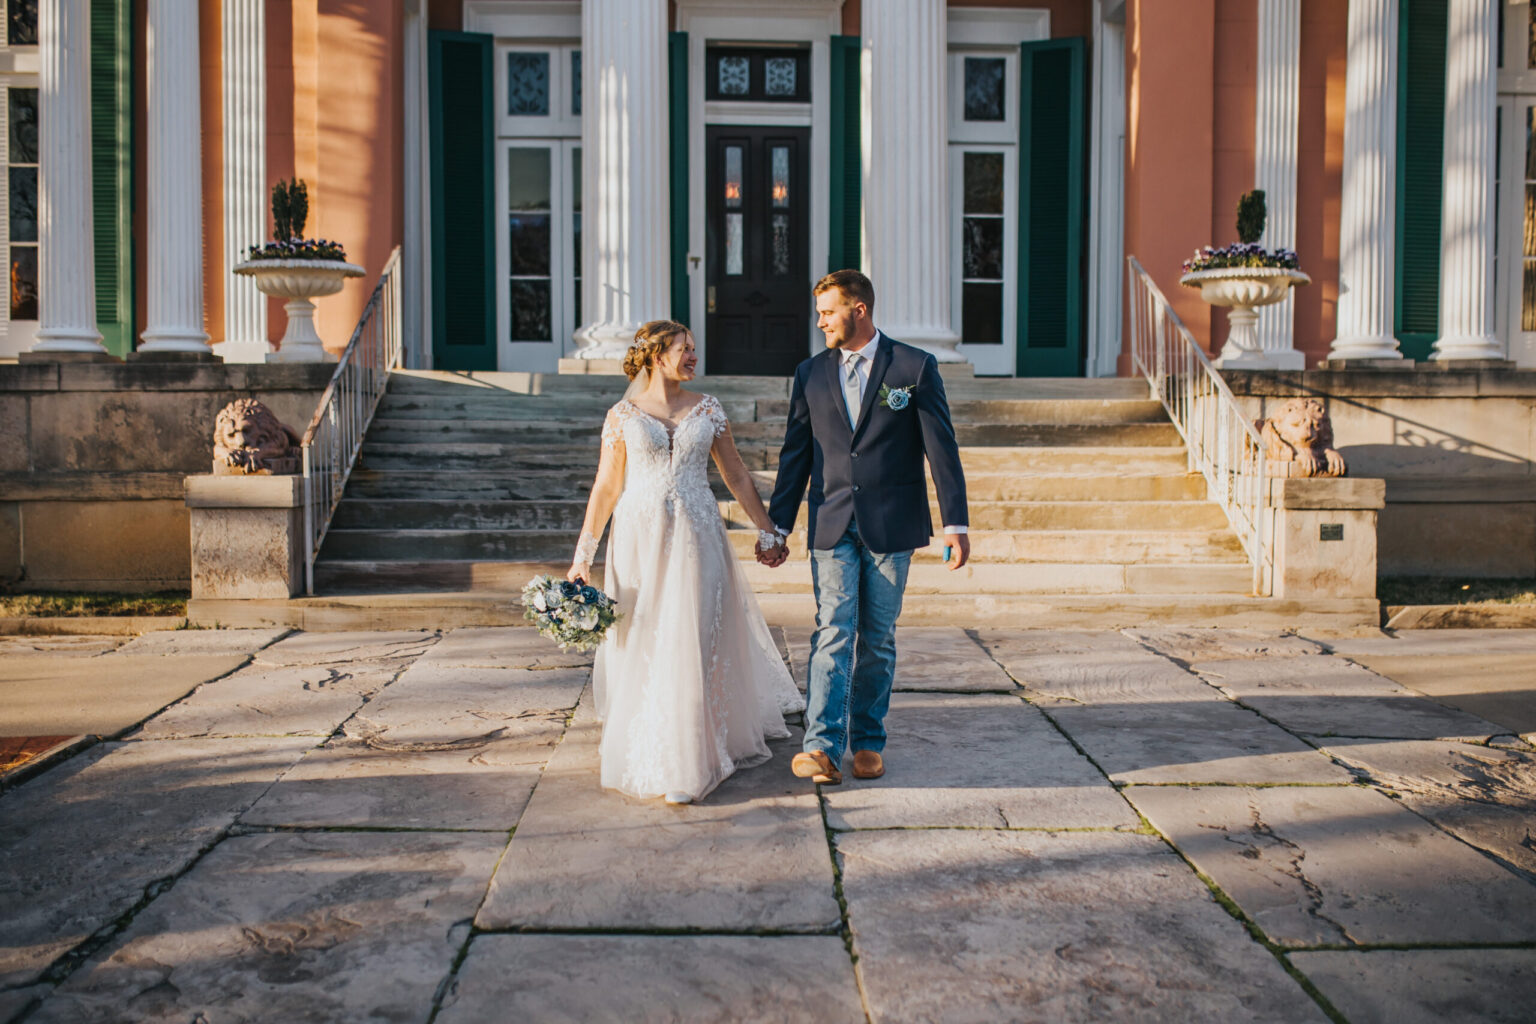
{"points": [[852, 391]]}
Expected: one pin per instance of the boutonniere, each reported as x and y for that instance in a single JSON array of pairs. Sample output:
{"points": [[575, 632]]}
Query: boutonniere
{"points": [[896, 399]]}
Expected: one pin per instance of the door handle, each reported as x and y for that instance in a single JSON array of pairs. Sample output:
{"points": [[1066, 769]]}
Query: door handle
{"points": [[709, 302]]}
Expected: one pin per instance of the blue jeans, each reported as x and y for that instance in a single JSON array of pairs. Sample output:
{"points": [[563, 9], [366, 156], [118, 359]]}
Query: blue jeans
{"points": [[853, 651]]}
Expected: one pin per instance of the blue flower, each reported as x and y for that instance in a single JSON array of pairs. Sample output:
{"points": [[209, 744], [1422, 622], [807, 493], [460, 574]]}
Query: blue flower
{"points": [[570, 588]]}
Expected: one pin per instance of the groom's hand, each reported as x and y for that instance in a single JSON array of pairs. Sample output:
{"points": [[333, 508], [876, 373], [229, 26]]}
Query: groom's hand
{"points": [[960, 549]]}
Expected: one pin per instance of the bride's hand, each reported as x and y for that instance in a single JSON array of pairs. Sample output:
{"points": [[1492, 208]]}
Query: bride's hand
{"points": [[580, 572]]}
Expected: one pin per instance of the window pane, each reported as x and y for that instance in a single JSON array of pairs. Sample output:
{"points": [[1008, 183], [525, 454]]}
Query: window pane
{"points": [[1530, 142], [530, 311], [530, 244], [576, 83], [576, 229], [779, 75], [528, 84], [733, 244], [983, 183], [23, 115], [735, 76], [733, 177], [984, 99], [528, 179], [1527, 299], [24, 282], [781, 176], [780, 244], [981, 316], [982, 247], [23, 23], [1530, 46], [23, 204]]}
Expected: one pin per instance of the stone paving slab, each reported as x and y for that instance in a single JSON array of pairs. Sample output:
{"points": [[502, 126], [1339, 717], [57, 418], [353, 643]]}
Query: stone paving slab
{"points": [[500, 646], [1328, 696], [82, 841], [1340, 865], [751, 856], [976, 761], [928, 658], [13, 1001], [87, 645], [1438, 641], [203, 641], [1498, 687], [425, 693], [1066, 668], [1486, 796], [1202, 740], [1192, 645], [1426, 986], [294, 928], [265, 700], [986, 926], [713, 979], [331, 648], [50, 695]]}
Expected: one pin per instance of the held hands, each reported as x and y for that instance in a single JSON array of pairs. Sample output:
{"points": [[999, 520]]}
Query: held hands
{"points": [[959, 549], [772, 555]]}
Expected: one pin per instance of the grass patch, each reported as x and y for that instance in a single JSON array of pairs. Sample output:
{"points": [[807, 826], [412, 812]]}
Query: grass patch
{"points": [[1395, 590], [65, 604]]}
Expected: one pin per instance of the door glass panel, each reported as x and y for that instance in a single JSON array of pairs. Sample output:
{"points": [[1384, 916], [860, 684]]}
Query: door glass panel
{"points": [[576, 227], [527, 84], [1528, 239], [23, 122], [981, 319], [984, 100], [780, 225], [733, 244], [22, 23], [1530, 46], [781, 176], [779, 76], [733, 177], [984, 183], [23, 204], [529, 221], [576, 83], [981, 249], [735, 76]]}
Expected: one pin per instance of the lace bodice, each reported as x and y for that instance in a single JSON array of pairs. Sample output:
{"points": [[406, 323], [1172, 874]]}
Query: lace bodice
{"points": [[660, 464]]}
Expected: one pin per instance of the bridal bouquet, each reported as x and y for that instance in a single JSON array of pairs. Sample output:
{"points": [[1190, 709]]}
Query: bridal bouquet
{"points": [[571, 614]]}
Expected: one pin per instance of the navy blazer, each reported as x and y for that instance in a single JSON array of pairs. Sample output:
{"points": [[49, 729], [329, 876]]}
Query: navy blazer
{"points": [[872, 474]]}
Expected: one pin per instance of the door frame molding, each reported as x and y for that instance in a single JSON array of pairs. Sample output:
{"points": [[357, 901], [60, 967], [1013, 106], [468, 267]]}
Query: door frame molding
{"points": [[710, 21]]}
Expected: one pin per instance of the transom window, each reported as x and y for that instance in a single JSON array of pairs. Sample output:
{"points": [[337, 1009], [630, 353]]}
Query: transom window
{"points": [[773, 75]]}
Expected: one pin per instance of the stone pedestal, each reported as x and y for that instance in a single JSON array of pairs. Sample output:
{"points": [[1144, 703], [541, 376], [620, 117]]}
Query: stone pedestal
{"points": [[1325, 536], [247, 536]]}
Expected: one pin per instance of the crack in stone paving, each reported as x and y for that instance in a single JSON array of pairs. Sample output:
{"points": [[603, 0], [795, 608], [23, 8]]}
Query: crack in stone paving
{"points": [[1262, 829], [845, 924]]}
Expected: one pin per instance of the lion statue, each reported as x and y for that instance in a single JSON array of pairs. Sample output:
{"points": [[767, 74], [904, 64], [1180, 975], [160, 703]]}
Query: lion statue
{"points": [[249, 440], [1298, 440]]}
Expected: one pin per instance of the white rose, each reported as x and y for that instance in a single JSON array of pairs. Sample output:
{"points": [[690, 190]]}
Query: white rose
{"points": [[538, 601], [587, 619]]}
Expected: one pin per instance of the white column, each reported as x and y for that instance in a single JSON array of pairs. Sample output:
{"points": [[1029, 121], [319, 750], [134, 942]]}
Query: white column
{"points": [[626, 265], [174, 200], [1368, 216], [1466, 212], [1277, 123], [245, 176], [906, 171], [66, 232]]}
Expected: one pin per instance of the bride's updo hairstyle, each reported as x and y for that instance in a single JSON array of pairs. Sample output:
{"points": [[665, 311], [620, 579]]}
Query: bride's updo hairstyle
{"points": [[651, 340]]}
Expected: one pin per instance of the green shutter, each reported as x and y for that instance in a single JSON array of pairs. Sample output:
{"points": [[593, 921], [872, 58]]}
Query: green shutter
{"points": [[844, 243], [1420, 137], [463, 201], [112, 171], [677, 126], [1052, 208]]}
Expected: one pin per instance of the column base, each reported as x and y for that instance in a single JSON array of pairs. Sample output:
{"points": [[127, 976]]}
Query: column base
{"points": [[604, 341], [1354, 349], [1248, 359], [99, 356], [257, 351], [1466, 347], [164, 356], [938, 343]]}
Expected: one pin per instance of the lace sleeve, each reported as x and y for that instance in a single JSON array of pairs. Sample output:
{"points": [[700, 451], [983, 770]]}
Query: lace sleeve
{"points": [[613, 426], [716, 415]]}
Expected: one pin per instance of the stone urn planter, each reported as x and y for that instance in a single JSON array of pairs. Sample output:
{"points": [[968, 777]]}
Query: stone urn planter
{"points": [[1242, 290], [300, 281]]}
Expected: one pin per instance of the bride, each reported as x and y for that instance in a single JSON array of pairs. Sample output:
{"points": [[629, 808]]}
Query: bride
{"points": [[688, 682]]}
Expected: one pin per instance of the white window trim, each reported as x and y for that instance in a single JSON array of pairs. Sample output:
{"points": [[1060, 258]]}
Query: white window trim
{"points": [[1001, 133], [557, 20], [19, 336], [707, 21], [537, 356], [559, 122], [1000, 359], [1517, 91]]}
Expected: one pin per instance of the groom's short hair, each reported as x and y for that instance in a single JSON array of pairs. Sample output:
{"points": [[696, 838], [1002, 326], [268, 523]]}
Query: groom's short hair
{"points": [[854, 286]]}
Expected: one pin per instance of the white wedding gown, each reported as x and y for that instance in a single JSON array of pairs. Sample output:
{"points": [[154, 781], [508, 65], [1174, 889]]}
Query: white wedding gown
{"points": [[688, 682]]}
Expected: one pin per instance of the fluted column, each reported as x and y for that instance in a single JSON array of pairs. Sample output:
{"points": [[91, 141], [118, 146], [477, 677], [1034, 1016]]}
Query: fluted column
{"points": [[1277, 127], [1368, 217], [906, 171], [245, 176], [1466, 217], [174, 207], [626, 220], [67, 263]]}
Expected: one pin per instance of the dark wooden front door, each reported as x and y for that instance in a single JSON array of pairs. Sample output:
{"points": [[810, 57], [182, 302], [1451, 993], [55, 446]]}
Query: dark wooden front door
{"points": [[758, 299]]}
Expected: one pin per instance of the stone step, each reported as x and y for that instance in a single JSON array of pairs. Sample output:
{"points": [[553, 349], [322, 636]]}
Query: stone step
{"points": [[929, 577], [414, 610], [1002, 546], [528, 485], [1023, 410], [1065, 515]]}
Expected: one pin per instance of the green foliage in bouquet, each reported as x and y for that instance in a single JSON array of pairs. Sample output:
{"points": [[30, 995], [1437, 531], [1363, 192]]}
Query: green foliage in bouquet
{"points": [[290, 212], [571, 614]]}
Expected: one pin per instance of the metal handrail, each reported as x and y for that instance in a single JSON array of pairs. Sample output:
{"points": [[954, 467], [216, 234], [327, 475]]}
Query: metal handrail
{"points": [[335, 435], [1223, 444]]}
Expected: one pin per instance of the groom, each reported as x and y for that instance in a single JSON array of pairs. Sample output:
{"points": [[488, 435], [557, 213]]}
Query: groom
{"points": [[862, 416]]}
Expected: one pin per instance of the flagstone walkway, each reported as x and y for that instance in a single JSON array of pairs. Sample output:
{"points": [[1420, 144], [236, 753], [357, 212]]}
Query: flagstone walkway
{"points": [[1158, 825]]}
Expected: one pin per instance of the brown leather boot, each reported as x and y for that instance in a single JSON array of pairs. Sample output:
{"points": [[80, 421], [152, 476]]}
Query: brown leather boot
{"points": [[867, 764], [816, 766]]}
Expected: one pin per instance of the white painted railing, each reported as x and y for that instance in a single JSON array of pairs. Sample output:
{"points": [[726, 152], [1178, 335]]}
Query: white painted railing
{"points": [[335, 435], [1222, 443]]}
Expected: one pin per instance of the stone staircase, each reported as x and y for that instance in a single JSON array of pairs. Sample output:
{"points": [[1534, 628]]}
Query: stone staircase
{"points": [[1082, 509]]}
